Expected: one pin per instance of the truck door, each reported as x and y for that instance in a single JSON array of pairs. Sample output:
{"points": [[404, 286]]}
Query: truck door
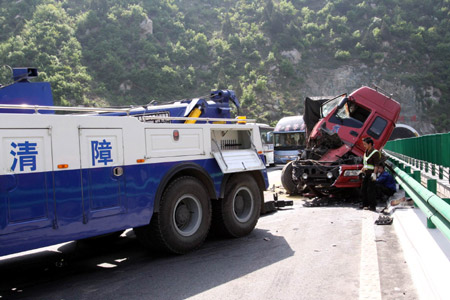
{"points": [[103, 181], [26, 181]]}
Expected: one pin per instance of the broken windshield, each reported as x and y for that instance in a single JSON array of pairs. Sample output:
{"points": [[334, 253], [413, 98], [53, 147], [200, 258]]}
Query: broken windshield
{"points": [[328, 106], [350, 114]]}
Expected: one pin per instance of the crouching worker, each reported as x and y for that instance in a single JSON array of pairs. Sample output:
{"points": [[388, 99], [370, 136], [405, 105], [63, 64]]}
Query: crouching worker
{"points": [[371, 160], [385, 184]]}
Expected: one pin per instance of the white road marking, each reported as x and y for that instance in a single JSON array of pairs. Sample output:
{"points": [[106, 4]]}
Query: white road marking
{"points": [[369, 282]]}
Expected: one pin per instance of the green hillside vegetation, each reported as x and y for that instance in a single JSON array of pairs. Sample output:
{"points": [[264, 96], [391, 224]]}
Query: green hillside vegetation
{"points": [[97, 52]]}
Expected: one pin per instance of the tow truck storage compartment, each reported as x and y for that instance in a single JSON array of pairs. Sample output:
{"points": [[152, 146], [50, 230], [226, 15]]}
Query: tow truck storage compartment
{"points": [[234, 151]]}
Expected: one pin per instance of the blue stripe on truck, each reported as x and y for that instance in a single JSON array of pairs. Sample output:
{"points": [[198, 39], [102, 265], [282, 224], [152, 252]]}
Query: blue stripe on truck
{"points": [[65, 205]]}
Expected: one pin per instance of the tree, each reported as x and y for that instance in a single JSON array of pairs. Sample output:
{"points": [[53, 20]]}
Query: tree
{"points": [[47, 42]]}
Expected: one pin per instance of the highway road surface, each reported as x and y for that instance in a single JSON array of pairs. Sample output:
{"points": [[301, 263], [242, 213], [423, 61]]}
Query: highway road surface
{"points": [[327, 252]]}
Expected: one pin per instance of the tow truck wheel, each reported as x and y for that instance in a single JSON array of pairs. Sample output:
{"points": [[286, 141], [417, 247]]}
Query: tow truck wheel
{"points": [[286, 179], [183, 220], [237, 214]]}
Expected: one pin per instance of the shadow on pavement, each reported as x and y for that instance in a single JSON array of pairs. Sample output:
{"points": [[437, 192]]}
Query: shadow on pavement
{"points": [[126, 270]]}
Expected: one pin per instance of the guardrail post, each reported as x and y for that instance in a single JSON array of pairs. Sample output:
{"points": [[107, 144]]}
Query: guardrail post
{"points": [[433, 169], [426, 167], [432, 187], [448, 173], [408, 170], [421, 165], [417, 177], [441, 172], [430, 224]]}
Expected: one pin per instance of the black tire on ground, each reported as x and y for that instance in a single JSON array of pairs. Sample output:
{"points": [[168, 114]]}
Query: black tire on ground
{"points": [[238, 212], [286, 179], [183, 220]]}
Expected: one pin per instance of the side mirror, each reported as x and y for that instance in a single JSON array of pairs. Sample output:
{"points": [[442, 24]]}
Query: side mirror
{"points": [[342, 102]]}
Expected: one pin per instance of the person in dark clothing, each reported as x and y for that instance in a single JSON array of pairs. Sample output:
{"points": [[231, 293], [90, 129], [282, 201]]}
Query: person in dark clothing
{"points": [[371, 160], [385, 184]]}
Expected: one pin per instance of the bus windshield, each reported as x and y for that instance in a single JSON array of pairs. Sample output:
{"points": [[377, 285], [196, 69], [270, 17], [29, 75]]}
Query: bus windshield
{"points": [[289, 140]]}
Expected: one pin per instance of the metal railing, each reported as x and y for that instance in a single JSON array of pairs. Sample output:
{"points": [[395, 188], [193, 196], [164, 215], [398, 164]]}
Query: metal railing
{"points": [[436, 209], [436, 170], [133, 112]]}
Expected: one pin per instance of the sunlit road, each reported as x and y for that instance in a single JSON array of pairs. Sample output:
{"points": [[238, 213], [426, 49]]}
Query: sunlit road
{"points": [[296, 253]]}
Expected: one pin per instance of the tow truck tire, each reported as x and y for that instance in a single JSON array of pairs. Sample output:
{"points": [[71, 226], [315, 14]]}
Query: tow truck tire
{"points": [[238, 212], [286, 179], [183, 220]]}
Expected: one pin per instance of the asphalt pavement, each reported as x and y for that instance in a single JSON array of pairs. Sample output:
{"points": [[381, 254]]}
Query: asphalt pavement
{"points": [[298, 252]]}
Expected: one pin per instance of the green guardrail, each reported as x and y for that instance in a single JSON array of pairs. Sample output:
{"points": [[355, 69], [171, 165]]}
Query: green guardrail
{"points": [[436, 209], [433, 148]]}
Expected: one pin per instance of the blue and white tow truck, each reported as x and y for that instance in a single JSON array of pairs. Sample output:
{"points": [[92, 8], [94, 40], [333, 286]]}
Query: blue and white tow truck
{"points": [[171, 172]]}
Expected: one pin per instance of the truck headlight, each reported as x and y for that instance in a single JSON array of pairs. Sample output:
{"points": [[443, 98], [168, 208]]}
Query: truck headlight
{"points": [[304, 176], [352, 172], [329, 175]]}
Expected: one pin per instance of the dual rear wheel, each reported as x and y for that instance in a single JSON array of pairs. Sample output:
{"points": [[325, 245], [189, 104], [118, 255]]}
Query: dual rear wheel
{"points": [[185, 214], [238, 212]]}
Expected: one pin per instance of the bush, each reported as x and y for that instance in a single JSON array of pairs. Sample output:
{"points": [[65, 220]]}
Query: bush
{"points": [[342, 55], [286, 68]]}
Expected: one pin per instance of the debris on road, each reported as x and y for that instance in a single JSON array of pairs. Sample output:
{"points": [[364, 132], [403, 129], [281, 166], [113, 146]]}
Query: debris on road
{"points": [[273, 205], [384, 220]]}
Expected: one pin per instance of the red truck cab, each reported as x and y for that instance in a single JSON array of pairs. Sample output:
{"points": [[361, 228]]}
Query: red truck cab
{"points": [[332, 159]]}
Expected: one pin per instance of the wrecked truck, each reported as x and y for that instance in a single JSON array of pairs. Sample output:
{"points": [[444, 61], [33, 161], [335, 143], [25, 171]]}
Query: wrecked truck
{"points": [[332, 160]]}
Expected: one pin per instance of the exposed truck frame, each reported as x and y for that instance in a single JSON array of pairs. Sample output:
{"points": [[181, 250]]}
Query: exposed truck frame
{"points": [[331, 163], [75, 176]]}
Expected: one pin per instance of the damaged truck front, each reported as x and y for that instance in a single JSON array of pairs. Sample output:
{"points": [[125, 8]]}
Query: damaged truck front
{"points": [[335, 127]]}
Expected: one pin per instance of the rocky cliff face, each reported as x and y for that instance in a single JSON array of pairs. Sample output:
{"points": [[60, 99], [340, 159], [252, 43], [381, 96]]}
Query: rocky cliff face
{"points": [[323, 81]]}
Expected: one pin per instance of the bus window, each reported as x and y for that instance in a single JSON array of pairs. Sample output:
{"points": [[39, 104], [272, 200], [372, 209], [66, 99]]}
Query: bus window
{"points": [[289, 140]]}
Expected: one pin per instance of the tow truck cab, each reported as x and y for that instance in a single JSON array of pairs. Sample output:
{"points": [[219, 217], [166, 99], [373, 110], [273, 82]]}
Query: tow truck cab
{"points": [[332, 158]]}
